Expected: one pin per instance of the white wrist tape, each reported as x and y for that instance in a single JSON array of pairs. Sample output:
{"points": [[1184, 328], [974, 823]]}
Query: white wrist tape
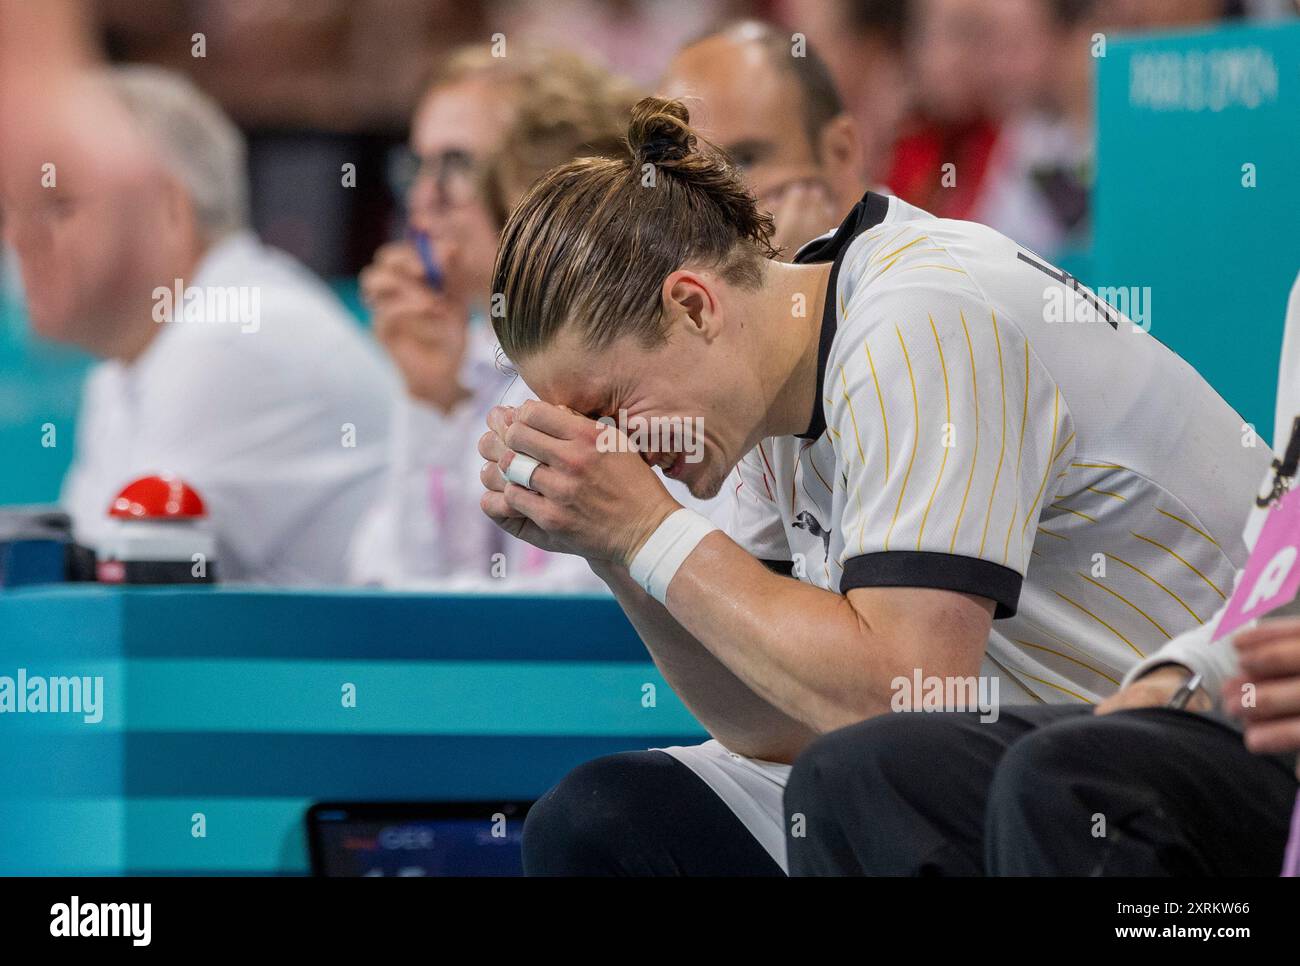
{"points": [[658, 561], [521, 470]]}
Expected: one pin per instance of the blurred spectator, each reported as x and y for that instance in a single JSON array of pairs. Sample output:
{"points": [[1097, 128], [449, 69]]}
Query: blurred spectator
{"points": [[327, 65], [633, 37], [254, 386], [780, 119], [1038, 179], [942, 157], [1145, 15], [44, 51], [315, 86], [861, 42], [1024, 37], [1039, 175]]}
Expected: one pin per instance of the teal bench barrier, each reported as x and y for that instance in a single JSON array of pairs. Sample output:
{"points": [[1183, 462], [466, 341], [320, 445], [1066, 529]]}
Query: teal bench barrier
{"points": [[230, 704]]}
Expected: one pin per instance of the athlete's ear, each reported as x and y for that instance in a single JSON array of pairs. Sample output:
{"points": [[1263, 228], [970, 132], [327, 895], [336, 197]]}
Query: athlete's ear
{"points": [[690, 301]]}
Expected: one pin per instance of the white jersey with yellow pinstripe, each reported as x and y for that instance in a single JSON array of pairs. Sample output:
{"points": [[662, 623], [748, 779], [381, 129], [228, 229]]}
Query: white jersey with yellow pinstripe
{"points": [[1079, 474]]}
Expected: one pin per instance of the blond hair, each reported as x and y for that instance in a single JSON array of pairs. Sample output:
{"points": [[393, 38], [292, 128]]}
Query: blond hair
{"points": [[570, 108]]}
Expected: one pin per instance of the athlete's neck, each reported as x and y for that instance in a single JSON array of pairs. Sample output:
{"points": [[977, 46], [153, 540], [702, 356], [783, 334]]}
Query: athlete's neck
{"points": [[795, 298]]}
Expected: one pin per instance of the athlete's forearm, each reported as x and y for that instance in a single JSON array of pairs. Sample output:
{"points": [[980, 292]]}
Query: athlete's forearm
{"points": [[736, 716], [810, 652]]}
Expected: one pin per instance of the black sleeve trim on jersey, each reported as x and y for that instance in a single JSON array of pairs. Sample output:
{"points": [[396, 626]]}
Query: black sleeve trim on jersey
{"points": [[866, 214], [940, 571], [783, 567]]}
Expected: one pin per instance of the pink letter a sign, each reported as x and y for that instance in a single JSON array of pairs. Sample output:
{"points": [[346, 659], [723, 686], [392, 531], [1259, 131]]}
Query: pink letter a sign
{"points": [[1272, 574]]}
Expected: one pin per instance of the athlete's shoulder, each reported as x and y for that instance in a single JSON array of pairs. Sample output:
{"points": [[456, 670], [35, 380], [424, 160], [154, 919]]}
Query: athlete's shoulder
{"points": [[912, 239], [905, 268]]}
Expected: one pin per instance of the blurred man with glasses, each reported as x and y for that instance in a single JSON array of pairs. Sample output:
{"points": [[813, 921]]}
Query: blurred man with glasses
{"points": [[222, 360]]}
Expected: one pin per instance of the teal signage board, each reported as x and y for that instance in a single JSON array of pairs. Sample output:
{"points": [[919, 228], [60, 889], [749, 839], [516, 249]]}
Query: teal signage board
{"points": [[1197, 204]]}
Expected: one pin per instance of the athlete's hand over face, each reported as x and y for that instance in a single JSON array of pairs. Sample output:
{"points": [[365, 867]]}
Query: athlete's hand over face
{"points": [[600, 505], [1270, 673]]}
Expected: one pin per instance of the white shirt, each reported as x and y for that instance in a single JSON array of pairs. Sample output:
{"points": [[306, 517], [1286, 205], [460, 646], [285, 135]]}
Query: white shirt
{"points": [[1079, 474], [1218, 661], [427, 529], [277, 417]]}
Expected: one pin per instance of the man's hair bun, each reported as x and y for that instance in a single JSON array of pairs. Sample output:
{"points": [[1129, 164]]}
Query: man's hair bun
{"points": [[660, 131]]}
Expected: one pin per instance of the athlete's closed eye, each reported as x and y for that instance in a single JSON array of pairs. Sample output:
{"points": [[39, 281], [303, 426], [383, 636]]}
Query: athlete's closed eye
{"points": [[606, 408], [596, 410]]}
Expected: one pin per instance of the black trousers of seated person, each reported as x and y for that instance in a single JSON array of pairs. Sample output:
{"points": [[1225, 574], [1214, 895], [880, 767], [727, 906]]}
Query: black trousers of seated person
{"points": [[638, 813], [1044, 790]]}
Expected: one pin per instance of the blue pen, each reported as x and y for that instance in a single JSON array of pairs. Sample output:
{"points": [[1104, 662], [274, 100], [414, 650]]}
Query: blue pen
{"points": [[424, 246]]}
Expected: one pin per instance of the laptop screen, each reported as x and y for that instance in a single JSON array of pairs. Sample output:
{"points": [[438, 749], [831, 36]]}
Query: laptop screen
{"points": [[414, 839]]}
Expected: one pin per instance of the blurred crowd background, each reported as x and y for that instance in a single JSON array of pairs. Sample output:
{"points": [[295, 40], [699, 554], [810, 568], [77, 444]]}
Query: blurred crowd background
{"points": [[1000, 87]]}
